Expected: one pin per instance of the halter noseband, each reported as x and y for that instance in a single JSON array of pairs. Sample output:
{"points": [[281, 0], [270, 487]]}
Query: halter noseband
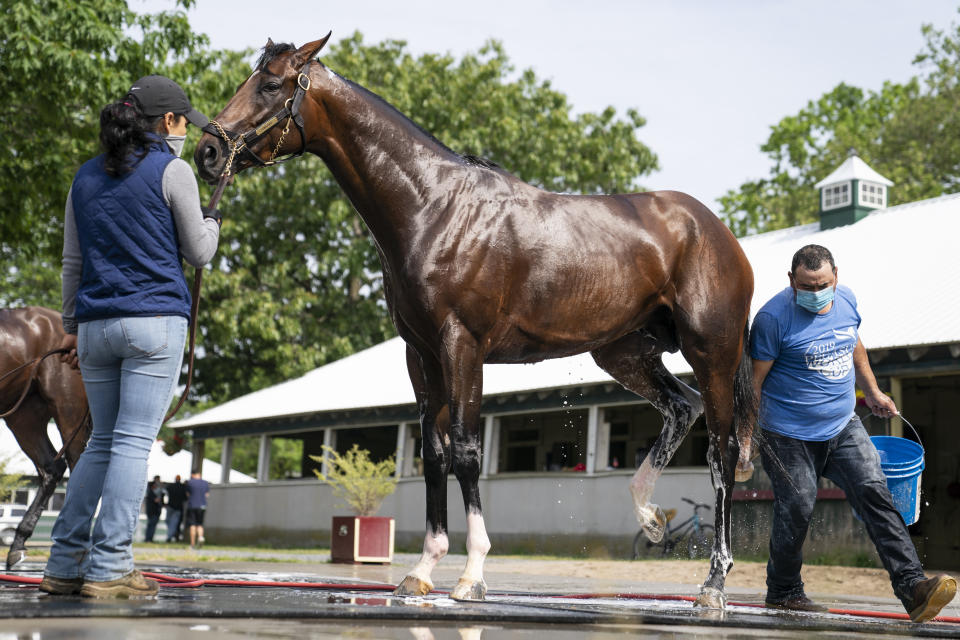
{"points": [[289, 112]]}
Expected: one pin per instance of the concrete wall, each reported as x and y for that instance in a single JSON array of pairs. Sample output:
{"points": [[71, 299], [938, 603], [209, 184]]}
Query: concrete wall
{"points": [[569, 513]]}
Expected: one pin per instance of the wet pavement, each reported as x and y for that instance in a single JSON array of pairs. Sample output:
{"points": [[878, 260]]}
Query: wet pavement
{"points": [[529, 608]]}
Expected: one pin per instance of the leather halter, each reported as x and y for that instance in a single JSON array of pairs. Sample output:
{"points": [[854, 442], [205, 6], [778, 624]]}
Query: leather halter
{"points": [[289, 112]]}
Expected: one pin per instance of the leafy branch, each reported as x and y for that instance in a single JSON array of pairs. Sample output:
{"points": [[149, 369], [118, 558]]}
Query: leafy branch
{"points": [[362, 483]]}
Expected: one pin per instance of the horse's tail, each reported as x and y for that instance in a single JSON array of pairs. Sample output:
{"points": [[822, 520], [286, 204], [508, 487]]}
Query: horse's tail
{"points": [[746, 405]]}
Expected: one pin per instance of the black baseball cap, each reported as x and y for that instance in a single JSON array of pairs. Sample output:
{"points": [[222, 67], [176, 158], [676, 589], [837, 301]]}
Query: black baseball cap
{"points": [[158, 95]]}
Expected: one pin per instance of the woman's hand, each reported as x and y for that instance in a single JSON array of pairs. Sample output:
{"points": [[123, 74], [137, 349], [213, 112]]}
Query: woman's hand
{"points": [[69, 342]]}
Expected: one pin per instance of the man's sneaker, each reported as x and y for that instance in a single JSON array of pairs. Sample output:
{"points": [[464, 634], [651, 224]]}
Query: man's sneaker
{"points": [[132, 585], [931, 595], [61, 586], [200, 542], [797, 603]]}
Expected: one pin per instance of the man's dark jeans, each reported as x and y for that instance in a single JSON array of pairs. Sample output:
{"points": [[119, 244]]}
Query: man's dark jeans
{"points": [[851, 461]]}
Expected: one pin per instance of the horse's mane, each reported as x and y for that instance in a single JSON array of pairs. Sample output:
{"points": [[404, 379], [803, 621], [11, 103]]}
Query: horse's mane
{"points": [[272, 51]]}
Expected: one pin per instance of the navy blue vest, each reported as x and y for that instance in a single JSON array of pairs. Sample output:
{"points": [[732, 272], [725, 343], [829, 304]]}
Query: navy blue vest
{"points": [[128, 240]]}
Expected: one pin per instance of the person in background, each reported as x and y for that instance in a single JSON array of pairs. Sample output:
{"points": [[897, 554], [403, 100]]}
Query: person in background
{"points": [[132, 214], [198, 490], [176, 497], [807, 359], [154, 502]]}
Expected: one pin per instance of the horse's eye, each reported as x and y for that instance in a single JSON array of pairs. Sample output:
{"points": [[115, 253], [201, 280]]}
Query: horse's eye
{"points": [[271, 87]]}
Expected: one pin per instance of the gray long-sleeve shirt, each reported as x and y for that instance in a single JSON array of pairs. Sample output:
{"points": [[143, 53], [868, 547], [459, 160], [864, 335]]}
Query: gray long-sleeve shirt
{"points": [[198, 236]]}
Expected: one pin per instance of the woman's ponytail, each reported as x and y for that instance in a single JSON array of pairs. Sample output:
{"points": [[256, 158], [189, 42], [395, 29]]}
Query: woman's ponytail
{"points": [[123, 135]]}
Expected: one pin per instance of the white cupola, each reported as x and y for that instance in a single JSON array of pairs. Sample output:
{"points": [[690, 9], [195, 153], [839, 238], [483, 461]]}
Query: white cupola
{"points": [[852, 191]]}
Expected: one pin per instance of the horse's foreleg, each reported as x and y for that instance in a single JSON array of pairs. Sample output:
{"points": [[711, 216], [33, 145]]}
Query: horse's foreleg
{"points": [[436, 466], [463, 377], [466, 465], [434, 424]]}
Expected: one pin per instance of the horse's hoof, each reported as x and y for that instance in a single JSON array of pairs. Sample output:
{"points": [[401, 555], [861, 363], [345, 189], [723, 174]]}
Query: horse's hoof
{"points": [[413, 586], [469, 590], [654, 524], [743, 472], [16, 557], [711, 598]]}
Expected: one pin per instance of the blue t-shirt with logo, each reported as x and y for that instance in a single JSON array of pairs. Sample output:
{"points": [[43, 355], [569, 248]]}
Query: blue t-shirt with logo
{"points": [[809, 393]]}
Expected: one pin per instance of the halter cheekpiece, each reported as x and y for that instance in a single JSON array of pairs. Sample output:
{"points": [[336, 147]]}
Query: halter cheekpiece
{"points": [[289, 112]]}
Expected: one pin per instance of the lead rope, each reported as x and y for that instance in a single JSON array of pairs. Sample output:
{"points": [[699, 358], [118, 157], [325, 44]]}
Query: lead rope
{"points": [[195, 303]]}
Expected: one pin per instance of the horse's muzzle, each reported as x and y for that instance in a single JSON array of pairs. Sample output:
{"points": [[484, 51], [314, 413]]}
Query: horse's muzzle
{"points": [[209, 157]]}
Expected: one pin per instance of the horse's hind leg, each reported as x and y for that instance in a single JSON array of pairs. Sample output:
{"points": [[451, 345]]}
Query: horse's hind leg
{"points": [[634, 361], [720, 374], [722, 456], [426, 377], [29, 426]]}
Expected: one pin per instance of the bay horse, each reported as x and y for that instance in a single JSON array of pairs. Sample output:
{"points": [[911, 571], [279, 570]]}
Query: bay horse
{"points": [[480, 267], [53, 390]]}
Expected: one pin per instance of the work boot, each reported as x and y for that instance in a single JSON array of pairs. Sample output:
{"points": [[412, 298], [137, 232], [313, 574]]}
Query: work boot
{"points": [[60, 586], [931, 595], [132, 585], [797, 603]]}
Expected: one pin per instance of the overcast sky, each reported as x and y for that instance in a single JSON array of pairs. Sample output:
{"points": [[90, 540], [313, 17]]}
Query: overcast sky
{"points": [[710, 76]]}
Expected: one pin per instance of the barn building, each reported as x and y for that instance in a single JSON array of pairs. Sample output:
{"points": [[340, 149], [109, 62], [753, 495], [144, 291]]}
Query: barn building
{"points": [[561, 438]]}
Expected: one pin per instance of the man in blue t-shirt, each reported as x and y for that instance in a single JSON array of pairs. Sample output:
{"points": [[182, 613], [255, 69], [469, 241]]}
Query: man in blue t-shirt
{"points": [[197, 490], [807, 358]]}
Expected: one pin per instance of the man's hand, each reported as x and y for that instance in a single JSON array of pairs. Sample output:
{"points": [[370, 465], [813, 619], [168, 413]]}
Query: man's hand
{"points": [[69, 342], [880, 404]]}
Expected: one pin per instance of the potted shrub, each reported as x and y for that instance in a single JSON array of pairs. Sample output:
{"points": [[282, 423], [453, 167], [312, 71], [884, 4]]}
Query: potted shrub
{"points": [[363, 485]]}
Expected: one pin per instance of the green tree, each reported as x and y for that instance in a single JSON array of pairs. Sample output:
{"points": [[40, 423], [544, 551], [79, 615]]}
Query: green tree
{"points": [[908, 132], [61, 61]]}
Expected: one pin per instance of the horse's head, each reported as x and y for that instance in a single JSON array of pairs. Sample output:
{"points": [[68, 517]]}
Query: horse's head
{"points": [[263, 120]]}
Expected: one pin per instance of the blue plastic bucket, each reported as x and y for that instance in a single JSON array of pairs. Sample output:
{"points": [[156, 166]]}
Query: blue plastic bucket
{"points": [[902, 463]]}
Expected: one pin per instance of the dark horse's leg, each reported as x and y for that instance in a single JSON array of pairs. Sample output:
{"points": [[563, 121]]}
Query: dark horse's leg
{"points": [[29, 426], [724, 373], [427, 379], [455, 429], [635, 362], [463, 376]]}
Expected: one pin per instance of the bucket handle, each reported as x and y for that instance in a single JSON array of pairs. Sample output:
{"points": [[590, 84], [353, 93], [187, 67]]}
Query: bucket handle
{"points": [[900, 415]]}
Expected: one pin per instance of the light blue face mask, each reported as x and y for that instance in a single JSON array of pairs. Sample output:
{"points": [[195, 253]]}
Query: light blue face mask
{"points": [[815, 301]]}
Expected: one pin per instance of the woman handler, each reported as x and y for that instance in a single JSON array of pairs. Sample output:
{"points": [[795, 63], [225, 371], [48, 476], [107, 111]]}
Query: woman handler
{"points": [[131, 214]]}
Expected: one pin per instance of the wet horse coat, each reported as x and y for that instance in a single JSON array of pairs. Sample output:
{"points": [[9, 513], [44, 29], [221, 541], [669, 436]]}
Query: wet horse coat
{"points": [[480, 267], [55, 392]]}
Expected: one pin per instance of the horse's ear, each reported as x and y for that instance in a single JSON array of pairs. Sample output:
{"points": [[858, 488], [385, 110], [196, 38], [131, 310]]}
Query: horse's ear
{"points": [[269, 43], [310, 50]]}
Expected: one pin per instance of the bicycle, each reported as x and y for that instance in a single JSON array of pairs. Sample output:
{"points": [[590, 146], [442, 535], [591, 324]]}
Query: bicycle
{"points": [[698, 537]]}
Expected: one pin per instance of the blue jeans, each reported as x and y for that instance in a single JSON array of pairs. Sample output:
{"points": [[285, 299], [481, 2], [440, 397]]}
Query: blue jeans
{"points": [[130, 368], [173, 523], [851, 461], [152, 521]]}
